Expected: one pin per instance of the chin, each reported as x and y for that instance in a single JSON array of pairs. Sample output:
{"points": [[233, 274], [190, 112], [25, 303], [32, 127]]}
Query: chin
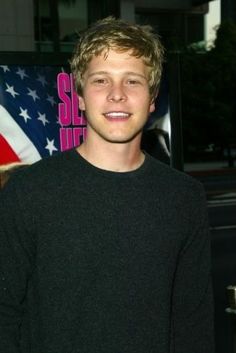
{"points": [[123, 139]]}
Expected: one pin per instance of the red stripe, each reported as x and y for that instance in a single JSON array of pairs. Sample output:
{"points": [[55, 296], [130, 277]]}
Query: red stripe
{"points": [[7, 155]]}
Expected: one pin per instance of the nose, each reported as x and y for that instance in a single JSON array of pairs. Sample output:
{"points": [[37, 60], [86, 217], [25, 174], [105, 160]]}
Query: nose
{"points": [[117, 93]]}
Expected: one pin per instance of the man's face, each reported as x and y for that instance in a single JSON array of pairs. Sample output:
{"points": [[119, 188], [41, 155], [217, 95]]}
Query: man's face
{"points": [[116, 97]]}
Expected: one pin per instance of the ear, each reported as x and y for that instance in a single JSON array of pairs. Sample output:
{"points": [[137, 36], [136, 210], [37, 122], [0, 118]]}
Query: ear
{"points": [[152, 106], [81, 103], [152, 103]]}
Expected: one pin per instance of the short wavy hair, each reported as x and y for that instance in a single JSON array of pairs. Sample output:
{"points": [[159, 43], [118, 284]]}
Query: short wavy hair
{"points": [[110, 33]]}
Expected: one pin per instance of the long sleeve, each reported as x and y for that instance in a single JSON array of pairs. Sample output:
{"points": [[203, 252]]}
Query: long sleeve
{"points": [[65, 278], [16, 253], [192, 324]]}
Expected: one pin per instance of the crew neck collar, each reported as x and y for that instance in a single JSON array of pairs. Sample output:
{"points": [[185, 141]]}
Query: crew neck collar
{"points": [[94, 169]]}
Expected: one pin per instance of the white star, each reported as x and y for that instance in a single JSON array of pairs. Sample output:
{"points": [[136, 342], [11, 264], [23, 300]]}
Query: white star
{"points": [[58, 121], [33, 94], [5, 68], [21, 73], [42, 80], [24, 114], [10, 89], [42, 117], [50, 146], [51, 100]]}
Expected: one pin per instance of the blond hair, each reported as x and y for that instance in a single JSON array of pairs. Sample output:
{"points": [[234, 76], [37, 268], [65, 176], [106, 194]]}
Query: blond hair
{"points": [[119, 35]]}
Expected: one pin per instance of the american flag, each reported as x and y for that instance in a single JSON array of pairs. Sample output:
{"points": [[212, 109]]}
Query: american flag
{"points": [[29, 127]]}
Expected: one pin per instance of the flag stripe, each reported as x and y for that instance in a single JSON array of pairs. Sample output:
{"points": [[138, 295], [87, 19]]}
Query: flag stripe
{"points": [[17, 139], [7, 155], [28, 110]]}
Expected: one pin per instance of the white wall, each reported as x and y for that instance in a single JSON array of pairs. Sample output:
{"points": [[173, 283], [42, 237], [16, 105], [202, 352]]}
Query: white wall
{"points": [[16, 25], [212, 21]]}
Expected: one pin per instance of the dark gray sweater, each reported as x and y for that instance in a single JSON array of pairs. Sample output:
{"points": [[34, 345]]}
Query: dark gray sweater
{"points": [[98, 261]]}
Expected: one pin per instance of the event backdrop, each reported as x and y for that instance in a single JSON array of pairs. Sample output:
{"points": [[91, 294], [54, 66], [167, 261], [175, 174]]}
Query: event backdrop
{"points": [[39, 113]]}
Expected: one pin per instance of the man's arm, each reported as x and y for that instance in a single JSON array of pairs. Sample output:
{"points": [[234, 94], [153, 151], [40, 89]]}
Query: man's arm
{"points": [[192, 315], [15, 266]]}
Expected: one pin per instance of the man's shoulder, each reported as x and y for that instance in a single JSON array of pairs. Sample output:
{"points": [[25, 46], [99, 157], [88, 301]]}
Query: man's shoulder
{"points": [[164, 173], [177, 189], [46, 171], [176, 186], [60, 161]]}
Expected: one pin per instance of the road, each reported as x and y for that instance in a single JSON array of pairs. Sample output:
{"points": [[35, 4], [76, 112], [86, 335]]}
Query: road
{"points": [[221, 197], [223, 234]]}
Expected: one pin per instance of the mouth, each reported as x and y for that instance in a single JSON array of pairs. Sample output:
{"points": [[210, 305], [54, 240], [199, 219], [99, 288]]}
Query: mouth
{"points": [[117, 115]]}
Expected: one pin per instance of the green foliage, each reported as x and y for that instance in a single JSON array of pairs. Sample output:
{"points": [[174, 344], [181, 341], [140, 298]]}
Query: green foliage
{"points": [[208, 92]]}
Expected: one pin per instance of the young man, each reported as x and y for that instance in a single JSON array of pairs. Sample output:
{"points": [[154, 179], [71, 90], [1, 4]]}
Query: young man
{"points": [[103, 248]]}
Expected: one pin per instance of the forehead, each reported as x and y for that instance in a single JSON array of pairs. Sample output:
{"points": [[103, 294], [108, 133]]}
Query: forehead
{"points": [[117, 61]]}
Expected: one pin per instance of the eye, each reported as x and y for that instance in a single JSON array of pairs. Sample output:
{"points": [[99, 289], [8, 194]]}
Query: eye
{"points": [[133, 82], [100, 81]]}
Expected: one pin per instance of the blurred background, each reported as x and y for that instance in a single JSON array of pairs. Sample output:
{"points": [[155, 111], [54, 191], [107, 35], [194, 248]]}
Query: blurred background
{"points": [[194, 127]]}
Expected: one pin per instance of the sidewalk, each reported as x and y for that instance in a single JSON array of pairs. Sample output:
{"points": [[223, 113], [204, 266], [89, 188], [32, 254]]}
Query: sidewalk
{"points": [[209, 168], [218, 179]]}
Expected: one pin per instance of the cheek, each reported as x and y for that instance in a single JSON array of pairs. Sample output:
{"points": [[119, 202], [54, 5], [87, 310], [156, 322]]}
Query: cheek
{"points": [[90, 99]]}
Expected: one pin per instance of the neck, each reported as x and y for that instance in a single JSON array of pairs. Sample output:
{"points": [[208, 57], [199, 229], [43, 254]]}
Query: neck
{"points": [[117, 157]]}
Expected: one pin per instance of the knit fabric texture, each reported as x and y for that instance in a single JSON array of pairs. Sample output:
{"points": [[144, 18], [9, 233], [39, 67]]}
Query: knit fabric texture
{"points": [[99, 261]]}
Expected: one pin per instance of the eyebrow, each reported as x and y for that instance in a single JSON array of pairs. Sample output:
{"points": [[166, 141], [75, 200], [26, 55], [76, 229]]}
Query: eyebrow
{"points": [[126, 73]]}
